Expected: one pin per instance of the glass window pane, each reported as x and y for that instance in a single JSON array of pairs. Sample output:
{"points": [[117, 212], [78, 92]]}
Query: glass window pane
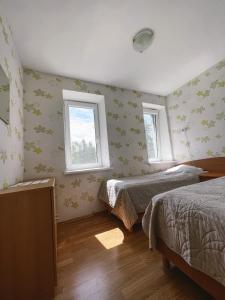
{"points": [[82, 135], [150, 121]]}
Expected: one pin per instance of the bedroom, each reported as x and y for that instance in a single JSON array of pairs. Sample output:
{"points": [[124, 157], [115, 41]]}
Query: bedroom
{"points": [[113, 70]]}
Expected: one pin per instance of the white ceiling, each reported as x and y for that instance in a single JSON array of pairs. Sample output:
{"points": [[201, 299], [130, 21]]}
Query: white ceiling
{"points": [[91, 39]]}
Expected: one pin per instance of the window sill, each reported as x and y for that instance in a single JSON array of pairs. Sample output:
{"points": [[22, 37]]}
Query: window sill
{"points": [[161, 162], [68, 172]]}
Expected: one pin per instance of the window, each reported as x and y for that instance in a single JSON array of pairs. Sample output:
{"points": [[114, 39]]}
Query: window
{"points": [[157, 133], [84, 134], [86, 143], [151, 122]]}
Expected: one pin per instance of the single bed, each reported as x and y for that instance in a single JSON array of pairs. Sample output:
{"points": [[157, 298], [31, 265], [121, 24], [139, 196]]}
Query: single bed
{"points": [[127, 198], [187, 225]]}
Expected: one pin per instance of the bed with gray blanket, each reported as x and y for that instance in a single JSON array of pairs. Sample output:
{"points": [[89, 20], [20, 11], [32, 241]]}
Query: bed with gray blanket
{"points": [[190, 221], [128, 197]]}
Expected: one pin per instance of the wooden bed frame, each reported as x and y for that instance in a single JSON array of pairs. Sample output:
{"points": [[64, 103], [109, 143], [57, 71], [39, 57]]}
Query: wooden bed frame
{"points": [[213, 287], [215, 164], [210, 285]]}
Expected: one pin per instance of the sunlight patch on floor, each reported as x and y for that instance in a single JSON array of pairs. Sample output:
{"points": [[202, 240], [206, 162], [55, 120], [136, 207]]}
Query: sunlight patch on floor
{"points": [[111, 238]]}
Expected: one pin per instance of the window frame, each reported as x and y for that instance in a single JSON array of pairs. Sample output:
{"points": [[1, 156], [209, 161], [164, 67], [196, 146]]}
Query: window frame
{"points": [[97, 102], [94, 107], [155, 112]]}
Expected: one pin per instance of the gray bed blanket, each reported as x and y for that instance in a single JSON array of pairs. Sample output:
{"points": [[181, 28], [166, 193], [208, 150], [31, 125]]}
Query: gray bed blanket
{"points": [[129, 196], [191, 222]]}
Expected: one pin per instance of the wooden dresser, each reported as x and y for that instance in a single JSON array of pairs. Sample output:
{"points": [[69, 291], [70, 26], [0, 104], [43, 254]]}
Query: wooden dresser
{"points": [[28, 241]]}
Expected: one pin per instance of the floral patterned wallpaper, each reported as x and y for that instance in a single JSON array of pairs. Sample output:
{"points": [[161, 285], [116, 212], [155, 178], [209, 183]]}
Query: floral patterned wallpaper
{"points": [[197, 116], [11, 136], [44, 138]]}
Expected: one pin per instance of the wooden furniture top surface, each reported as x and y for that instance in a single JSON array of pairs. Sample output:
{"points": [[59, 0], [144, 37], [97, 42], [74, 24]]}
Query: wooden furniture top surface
{"points": [[213, 164], [212, 174], [29, 185]]}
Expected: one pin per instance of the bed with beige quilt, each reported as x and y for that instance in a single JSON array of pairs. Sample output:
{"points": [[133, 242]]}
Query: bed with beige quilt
{"points": [[187, 225], [127, 198]]}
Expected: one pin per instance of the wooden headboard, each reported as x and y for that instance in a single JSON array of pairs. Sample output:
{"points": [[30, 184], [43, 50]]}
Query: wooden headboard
{"points": [[214, 164]]}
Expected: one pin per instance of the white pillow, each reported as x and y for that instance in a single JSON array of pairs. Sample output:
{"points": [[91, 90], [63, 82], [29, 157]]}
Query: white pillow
{"points": [[185, 169]]}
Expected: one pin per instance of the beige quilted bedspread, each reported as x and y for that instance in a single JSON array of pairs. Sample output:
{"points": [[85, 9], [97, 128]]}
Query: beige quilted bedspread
{"points": [[191, 221], [129, 196]]}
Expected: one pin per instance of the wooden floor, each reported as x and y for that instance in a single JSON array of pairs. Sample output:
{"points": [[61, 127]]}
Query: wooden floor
{"points": [[98, 259]]}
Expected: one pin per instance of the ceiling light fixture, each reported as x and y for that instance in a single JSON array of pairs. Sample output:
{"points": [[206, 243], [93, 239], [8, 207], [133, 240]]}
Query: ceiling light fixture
{"points": [[143, 39]]}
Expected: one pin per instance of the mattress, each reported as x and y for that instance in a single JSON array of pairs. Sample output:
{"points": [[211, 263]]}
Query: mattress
{"points": [[191, 222]]}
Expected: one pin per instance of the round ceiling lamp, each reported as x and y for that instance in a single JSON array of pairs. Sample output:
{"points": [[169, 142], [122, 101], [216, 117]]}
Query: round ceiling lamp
{"points": [[143, 39]]}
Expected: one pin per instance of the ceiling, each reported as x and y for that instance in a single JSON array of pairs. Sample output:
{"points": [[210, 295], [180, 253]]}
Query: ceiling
{"points": [[91, 39]]}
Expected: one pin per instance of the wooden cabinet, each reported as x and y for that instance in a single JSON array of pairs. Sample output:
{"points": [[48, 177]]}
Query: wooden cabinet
{"points": [[28, 241], [210, 175]]}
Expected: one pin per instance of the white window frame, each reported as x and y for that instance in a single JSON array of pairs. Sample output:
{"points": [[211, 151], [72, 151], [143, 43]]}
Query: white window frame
{"points": [[165, 153], [156, 113], [97, 103]]}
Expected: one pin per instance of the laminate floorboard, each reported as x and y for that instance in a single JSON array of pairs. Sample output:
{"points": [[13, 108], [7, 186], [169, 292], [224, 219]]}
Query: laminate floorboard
{"points": [[98, 259]]}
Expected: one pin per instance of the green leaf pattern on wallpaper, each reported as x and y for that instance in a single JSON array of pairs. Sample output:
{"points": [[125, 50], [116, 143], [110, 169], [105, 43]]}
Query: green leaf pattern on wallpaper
{"points": [[44, 143], [202, 99], [11, 136], [32, 107], [32, 147], [3, 156], [76, 183], [203, 93], [43, 129], [42, 94]]}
